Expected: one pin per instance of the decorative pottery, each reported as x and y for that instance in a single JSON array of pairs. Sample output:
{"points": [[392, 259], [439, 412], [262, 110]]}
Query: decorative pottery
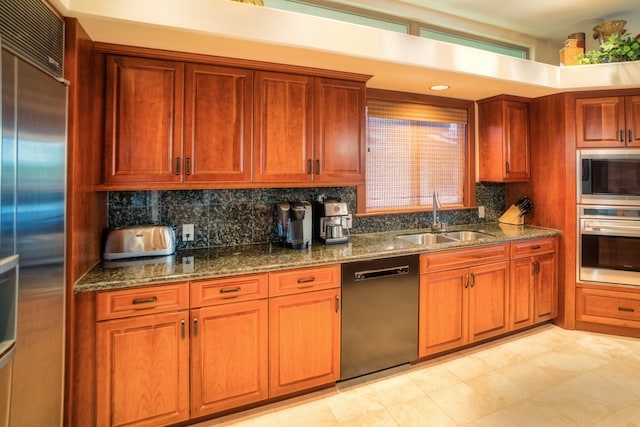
{"points": [[606, 29]]}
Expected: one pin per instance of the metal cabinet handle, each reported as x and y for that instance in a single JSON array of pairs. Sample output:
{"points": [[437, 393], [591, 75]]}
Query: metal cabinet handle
{"points": [[228, 291], [195, 326], [318, 166], [177, 165], [182, 328], [508, 167], [622, 135], [144, 300], [626, 309], [466, 284], [630, 135], [536, 247], [306, 280], [337, 303], [310, 169], [187, 166], [473, 280]]}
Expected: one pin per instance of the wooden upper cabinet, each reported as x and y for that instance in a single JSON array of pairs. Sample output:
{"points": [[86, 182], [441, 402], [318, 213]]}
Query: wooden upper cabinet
{"points": [[218, 119], [339, 130], [503, 123], [143, 120], [283, 116], [608, 122], [600, 122], [632, 108]]}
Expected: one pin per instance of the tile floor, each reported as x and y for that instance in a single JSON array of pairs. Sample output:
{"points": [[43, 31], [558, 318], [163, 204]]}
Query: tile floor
{"points": [[544, 377]]}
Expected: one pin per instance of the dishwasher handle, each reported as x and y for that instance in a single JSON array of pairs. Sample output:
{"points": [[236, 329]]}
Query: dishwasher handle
{"points": [[383, 272]]}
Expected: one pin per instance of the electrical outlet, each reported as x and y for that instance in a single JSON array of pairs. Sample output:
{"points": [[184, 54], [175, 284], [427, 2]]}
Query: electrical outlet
{"points": [[188, 232], [480, 211]]}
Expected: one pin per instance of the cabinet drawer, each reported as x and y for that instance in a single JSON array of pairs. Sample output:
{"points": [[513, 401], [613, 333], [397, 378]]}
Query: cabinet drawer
{"points": [[608, 307], [533, 247], [142, 300], [304, 279], [228, 289], [448, 260]]}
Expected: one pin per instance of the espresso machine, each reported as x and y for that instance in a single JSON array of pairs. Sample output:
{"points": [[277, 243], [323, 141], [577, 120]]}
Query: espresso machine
{"points": [[333, 220], [294, 224]]}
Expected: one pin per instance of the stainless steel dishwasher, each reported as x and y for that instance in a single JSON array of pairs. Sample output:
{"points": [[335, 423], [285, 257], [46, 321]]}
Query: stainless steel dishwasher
{"points": [[379, 315]]}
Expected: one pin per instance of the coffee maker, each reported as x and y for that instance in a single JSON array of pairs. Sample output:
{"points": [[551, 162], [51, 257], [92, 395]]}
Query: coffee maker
{"points": [[334, 220], [294, 224]]}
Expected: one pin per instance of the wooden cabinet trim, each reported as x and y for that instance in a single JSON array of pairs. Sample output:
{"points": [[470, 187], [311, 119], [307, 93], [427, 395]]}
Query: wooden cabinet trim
{"points": [[142, 300], [228, 289], [608, 307], [288, 282]]}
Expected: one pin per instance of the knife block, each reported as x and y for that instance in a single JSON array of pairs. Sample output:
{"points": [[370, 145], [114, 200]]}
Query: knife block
{"points": [[512, 216]]}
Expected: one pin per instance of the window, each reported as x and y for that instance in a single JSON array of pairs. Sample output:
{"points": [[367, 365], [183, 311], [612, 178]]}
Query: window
{"points": [[417, 146], [466, 40]]}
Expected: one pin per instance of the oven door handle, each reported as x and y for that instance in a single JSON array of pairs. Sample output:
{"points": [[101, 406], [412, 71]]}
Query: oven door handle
{"points": [[613, 229]]}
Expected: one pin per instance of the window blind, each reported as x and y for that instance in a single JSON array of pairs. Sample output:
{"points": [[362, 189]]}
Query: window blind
{"points": [[412, 151]]}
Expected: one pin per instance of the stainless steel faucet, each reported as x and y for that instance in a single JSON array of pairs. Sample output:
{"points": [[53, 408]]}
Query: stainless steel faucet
{"points": [[436, 224]]}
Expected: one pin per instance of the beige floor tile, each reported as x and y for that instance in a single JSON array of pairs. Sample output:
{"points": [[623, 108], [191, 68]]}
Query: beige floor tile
{"points": [[497, 419], [394, 390], [461, 403], [379, 418], [315, 413], [498, 390], [420, 412], [529, 377], [626, 417], [432, 378], [499, 356], [353, 403], [467, 367], [530, 414], [564, 362]]}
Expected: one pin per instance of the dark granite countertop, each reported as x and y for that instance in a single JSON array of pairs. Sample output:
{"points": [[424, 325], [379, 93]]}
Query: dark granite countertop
{"points": [[228, 261]]}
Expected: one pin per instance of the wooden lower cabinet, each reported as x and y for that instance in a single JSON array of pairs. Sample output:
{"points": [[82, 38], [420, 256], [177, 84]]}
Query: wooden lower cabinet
{"points": [[461, 306], [618, 308], [534, 282], [304, 341], [229, 356], [143, 370]]}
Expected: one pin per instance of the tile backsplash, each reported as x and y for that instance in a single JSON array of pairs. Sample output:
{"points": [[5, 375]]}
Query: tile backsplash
{"points": [[238, 217]]}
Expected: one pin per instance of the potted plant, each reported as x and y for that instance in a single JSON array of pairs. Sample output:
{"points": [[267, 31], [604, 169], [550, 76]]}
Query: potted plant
{"points": [[616, 48]]}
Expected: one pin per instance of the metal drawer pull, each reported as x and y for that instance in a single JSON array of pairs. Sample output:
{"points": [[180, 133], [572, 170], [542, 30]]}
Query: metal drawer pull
{"points": [[626, 309], [195, 326], [318, 167], [473, 280], [144, 300], [466, 283], [307, 280], [507, 167], [310, 167], [187, 166], [227, 291], [182, 328], [621, 135], [177, 165], [536, 247], [630, 135], [337, 303]]}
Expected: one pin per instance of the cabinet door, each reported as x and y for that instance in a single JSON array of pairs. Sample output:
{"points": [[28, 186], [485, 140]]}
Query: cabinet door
{"points": [[304, 341], [339, 130], [488, 300], [143, 120], [283, 127], [516, 141], [633, 120], [546, 288], [142, 372], [218, 119], [522, 289], [229, 356], [443, 308], [600, 122]]}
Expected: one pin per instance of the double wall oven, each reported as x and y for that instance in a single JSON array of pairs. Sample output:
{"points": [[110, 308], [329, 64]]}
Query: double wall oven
{"points": [[609, 216]]}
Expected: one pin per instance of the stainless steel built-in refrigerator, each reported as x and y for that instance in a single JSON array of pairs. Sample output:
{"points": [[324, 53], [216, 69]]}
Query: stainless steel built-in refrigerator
{"points": [[32, 201]]}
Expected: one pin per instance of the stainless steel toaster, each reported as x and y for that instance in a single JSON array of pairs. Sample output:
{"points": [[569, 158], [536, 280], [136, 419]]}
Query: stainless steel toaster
{"points": [[139, 241]]}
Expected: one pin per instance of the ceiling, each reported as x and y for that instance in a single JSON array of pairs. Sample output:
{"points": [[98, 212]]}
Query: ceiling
{"points": [[544, 19], [395, 61]]}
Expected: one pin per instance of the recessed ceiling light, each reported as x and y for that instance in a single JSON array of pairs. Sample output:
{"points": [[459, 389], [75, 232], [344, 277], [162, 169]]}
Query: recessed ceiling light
{"points": [[439, 87]]}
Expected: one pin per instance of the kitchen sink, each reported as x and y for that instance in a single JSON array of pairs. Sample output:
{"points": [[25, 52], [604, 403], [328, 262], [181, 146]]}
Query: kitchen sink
{"points": [[429, 239], [467, 236]]}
